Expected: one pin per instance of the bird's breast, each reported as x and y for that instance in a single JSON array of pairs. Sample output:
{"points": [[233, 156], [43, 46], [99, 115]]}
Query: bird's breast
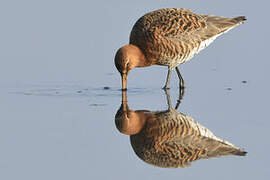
{"points": [[172, 56]]}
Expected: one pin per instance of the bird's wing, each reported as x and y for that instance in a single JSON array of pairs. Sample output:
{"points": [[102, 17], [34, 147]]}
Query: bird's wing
{"points": [[169, 22], [214, 26], [179, 25], [160, 30]]}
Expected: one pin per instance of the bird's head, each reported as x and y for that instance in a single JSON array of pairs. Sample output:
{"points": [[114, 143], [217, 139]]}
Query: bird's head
{"points": [[126, 58]]}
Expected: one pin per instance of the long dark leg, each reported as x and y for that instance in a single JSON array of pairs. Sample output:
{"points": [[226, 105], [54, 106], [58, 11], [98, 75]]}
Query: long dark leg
{"points": [[168, 80], [181, 80]]}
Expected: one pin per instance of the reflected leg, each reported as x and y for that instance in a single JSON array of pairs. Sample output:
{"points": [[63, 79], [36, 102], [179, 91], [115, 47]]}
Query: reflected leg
{"points": [[167, 92], [180, 97], [168, 79]]}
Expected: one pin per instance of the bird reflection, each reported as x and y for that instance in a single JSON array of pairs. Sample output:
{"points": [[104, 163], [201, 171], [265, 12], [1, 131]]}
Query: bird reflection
{"points": [[168, 138]]}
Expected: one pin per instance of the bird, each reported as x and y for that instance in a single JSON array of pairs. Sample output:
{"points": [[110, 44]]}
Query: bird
{"points": [[168, 138], [169, 37]]}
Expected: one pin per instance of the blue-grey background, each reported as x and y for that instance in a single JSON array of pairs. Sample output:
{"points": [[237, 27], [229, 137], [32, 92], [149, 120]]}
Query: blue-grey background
{"points": [[57, 121]]}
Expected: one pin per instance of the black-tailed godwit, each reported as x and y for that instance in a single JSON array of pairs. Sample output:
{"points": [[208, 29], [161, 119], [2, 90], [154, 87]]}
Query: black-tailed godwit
{"points": [[169, 37]]}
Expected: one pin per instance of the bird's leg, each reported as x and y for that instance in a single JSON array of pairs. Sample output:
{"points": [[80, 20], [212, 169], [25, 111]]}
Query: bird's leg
{"points": [[181, 80], [168, 79]]}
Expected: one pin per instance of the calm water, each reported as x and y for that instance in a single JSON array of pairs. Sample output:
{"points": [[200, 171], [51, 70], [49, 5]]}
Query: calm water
{"points": [[57, 120]]}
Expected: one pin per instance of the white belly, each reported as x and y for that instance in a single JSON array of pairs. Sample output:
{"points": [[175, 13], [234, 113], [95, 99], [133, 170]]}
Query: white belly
{"points": [[202, 45]]}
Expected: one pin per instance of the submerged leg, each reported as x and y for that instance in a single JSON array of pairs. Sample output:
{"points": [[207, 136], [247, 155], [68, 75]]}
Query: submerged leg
{"points": [[181, 80], [168, 79]]}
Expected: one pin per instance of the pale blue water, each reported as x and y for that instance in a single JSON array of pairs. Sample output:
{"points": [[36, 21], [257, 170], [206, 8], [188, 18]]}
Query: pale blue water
{"points": [[57, 120]]}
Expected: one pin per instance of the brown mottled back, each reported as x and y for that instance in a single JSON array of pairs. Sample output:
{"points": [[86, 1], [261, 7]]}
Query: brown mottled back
{"points": [[172, 36]]}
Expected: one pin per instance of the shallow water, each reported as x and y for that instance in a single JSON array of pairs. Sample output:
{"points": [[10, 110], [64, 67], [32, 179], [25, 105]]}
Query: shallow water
{"points": [[60, 92], [69, 132]]}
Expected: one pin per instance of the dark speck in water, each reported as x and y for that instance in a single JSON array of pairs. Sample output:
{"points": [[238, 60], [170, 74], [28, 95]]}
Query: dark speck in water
{"points": [[106, 87], [244, 82], [229, 89], [79, 91]]}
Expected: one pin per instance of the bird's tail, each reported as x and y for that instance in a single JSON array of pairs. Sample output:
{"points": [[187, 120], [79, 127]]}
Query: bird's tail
{"points": [[225, 24], [239, 19], [239, 153]]}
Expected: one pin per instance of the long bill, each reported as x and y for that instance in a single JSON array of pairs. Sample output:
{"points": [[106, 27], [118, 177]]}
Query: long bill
{"points": [[124, 97], [124, 81]]}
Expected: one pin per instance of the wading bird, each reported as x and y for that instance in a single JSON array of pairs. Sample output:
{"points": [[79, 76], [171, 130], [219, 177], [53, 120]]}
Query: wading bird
{"points": [[169, 37]]}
